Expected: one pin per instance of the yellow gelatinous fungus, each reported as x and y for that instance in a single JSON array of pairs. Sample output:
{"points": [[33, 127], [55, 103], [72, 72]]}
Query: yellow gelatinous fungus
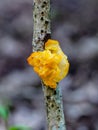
{"points": [[51, 64]]}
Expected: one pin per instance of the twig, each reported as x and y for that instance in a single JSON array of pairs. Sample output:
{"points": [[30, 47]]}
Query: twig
{"points": [[41, 33]]}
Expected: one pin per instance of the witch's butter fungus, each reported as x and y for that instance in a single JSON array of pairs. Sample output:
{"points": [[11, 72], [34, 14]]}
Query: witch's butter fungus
{"points": [[51, 64]]}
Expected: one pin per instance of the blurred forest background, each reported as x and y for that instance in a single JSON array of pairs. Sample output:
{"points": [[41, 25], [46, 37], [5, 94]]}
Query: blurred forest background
{"points": [[75, 26]]}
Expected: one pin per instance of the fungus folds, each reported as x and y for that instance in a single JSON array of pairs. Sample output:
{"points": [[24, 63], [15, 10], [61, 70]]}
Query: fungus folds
{"points": [[51, 64]]}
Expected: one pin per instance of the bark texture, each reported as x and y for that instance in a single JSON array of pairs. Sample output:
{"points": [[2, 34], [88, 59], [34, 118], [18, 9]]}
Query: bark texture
{"points": [[41, 20], [41, 33], [54, 107]]}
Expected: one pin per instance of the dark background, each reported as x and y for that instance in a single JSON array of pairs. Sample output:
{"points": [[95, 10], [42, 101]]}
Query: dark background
{"points": [[75, 26]]}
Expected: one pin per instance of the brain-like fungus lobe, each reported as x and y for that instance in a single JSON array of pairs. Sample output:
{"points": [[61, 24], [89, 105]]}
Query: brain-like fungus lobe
{"points": [[51, 64]]}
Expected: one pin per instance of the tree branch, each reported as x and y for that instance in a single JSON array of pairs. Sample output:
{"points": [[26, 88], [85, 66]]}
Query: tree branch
{"points": [[41, 33]]}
